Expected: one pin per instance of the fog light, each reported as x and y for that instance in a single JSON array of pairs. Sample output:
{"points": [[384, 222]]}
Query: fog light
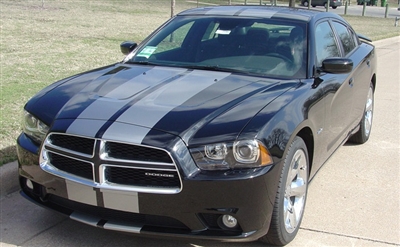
{"points": [[29, 184], [229, 221]]}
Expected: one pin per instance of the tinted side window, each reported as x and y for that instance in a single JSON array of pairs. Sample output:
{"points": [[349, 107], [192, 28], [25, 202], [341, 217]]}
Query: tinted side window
{"points": [[345, 36], [326, 45]]}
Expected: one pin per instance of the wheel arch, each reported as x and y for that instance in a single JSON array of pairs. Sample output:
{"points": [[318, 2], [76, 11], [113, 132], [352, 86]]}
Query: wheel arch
{"points": [[308, 138], [373, 81]]}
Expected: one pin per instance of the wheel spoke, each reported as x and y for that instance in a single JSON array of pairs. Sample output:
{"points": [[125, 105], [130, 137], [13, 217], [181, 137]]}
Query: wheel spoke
{"points": [[293, 221], [298, 188], [368, 112]]}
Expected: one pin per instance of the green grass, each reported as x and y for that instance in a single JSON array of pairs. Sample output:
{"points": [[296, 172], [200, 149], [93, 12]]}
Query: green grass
{"points": [[44, 41]]}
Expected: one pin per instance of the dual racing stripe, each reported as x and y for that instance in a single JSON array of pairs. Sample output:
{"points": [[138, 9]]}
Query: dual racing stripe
{"points": [[103, 105], [153, 95]]}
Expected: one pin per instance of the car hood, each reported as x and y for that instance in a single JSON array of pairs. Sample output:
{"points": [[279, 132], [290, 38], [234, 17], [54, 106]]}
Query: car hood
{"points": [[179, 101]]}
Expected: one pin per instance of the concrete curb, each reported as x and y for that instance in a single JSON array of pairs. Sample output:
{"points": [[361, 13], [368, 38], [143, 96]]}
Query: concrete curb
{"points": [[9, 178], [9, 172]]}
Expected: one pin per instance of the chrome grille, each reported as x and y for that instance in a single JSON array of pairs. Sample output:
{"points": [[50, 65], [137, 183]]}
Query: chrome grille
{"points": [[110, 164], [141, 177]]}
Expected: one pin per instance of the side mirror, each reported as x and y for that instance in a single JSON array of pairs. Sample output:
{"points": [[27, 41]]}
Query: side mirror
{"points": [[337, 65], [127, 47]]}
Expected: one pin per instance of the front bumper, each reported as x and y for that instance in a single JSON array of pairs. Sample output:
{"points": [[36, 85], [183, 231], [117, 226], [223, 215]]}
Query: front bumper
{"points": [[194, 212]]}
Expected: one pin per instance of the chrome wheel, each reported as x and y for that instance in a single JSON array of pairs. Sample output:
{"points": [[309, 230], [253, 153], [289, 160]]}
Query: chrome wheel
{"points": [[295, 192], [291, 195], [362, 135], [369, 107]]}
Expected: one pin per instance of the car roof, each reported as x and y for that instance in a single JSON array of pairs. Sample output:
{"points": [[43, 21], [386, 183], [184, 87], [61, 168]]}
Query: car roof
{"points": [[259, 11]]}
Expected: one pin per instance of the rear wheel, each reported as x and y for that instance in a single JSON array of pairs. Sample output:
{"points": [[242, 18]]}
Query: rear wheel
{"points": [[291, 196], [362, 135], [305, 4]]}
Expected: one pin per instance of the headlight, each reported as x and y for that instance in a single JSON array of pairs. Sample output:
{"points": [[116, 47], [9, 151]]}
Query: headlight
{"points": [[239, 154], [34, 128]]}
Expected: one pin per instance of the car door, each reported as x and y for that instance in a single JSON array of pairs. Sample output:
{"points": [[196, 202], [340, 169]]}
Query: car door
{"points": [[360, 77], [336, 87]]}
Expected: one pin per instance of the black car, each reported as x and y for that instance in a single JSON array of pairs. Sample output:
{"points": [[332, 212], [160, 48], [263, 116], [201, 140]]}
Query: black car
{"points": [[211, 128], [332, 3]]}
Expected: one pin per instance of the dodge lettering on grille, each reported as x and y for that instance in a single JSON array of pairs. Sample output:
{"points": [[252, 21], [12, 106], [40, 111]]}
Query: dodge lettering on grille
{"points": [[159, 175]]}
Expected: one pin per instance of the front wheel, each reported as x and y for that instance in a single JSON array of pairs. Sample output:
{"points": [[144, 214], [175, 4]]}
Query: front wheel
{"points": [[362, 135], [305, 4], [334, 7], [291, 196]]}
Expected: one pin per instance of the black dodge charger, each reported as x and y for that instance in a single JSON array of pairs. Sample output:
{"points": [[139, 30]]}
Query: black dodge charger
{"points": [[212, 127]]}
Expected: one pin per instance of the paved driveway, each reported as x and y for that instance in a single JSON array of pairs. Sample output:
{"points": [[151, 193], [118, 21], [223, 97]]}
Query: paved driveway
{"points": [[353, 201]]}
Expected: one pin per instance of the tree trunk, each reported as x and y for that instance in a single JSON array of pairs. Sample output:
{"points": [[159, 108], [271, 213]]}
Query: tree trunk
{"points": [[172, 8], [292, 3]]}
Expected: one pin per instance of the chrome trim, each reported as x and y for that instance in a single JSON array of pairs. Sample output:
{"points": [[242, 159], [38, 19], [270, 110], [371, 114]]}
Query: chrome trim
{"points": [[130, 188], [138, 167], [104, 184]]}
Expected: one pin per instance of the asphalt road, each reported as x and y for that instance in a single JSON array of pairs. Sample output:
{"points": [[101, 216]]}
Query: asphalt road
{"points": [[353, 201], [357, 10]]}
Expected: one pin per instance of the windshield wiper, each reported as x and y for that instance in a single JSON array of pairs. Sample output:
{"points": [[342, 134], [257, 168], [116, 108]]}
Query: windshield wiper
{"points": [[142, 63], [199, 67], [216, 68]]}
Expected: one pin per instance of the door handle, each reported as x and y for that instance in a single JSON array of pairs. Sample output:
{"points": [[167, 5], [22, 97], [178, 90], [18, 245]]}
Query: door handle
{"points": [[351, 82]]}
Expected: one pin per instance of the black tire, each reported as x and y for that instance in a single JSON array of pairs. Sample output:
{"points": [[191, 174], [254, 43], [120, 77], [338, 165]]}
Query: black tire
{"points": [[291, 196], [362, 135], [313, 5], [305, 3], [334, 7]]}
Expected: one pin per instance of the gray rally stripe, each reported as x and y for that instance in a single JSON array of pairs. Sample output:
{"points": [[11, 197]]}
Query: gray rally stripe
{"points": [[122, 227], [224, 11], [260, 12], [81, 193], [156, 105], [84, 218], [85, 127], [122, 201], [125, 133], [105, 107]]}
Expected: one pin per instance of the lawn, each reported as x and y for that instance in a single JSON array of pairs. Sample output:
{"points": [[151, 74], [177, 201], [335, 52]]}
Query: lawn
{"points": [[44, 41]]}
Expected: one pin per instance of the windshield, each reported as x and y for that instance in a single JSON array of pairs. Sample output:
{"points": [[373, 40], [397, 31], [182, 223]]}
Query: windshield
{"points": [[263, 47]]}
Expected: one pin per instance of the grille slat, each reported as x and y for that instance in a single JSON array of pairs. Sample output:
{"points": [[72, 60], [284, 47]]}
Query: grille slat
{"points": [[118, 164], [74, 143], [76, 167], [131, 152]]}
